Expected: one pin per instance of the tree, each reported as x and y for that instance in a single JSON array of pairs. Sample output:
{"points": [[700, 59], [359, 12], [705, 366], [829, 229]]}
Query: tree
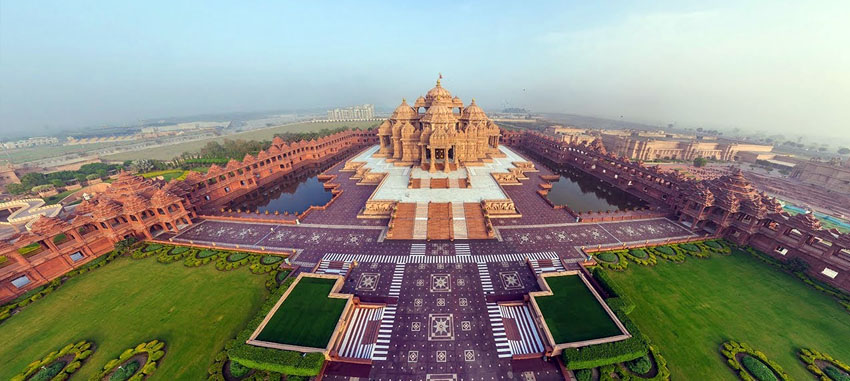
{"points": [[844, 150], [700, 162], [143, 166], [16, 188]]}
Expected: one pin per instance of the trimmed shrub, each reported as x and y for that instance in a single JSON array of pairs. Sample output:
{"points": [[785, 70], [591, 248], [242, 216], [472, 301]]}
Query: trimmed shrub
{"points": [[290, 363], [747, 369], [206, 253], [689, 247], [236, 257], [665, 250], [126, 371], [597, 355], [584, 375], [833, 370], [49, 368], [758, 369], [835, 374], [638, 253], [151, 348], [607, 257], [48, 372], [238, 370], [640, 365], [270, 259]]}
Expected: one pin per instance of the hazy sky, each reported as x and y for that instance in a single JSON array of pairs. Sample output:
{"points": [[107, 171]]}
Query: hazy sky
{"points": [[769, 65]]}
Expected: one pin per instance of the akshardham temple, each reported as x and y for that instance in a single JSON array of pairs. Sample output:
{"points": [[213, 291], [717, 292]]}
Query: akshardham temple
{"points": [[439, 250], [438, 132]]}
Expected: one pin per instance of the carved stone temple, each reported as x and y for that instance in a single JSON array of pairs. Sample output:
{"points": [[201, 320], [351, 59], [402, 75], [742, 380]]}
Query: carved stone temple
{"points": [[438, 133]]}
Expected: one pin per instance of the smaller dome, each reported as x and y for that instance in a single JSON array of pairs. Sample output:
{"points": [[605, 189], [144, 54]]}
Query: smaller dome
{"points": [[439, 114], [404, 111], [473, 112]]}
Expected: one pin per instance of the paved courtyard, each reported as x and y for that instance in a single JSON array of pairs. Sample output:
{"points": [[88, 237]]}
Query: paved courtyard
{"points": [[437, 310]]}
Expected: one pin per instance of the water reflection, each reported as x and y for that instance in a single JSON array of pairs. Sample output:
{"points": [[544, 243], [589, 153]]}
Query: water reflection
{"points": [[584, 193], [292, 197]]}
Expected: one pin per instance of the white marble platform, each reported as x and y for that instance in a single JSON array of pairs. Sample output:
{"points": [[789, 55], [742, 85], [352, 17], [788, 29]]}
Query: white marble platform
{"points": [[482, 185]]}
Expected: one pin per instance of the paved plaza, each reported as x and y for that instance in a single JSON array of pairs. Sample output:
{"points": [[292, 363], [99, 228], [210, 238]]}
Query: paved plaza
{"points": [[438, 309]]}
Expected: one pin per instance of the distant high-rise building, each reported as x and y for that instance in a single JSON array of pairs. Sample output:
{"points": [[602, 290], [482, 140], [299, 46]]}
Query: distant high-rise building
{"points": [[359, 112]]}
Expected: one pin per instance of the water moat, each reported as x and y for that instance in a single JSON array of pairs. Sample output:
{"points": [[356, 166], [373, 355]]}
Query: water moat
{"points": [[584, 193], [293, 197]]}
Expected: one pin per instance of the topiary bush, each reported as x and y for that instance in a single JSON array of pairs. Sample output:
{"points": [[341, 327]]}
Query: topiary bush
{"points": [[670, 253], [747, 369], [57, 365], [238, 370], [154, 350], [583, 375], [124, 372], [47, 373], [835, 374], [638, 253], [270, 259], [832, 371], [758, 369], [607, 257], [640, 365]]}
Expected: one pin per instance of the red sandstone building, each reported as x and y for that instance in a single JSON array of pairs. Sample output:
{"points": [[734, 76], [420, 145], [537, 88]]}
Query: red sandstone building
{"points": [[143, 208]]}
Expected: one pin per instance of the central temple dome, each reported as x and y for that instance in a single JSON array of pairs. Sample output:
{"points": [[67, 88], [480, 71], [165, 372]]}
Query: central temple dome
{"points": [[438, 93]]}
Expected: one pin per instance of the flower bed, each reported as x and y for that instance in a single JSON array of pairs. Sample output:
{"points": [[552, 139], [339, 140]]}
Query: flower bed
{"points": [[151, 351], [57, 365], [832, 370], [751, 364]]}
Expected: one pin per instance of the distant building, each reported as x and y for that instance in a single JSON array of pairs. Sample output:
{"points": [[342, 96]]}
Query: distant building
{"points": [[31, 142], [360, 112], [834, 176], [7, 175], [655, 145]]}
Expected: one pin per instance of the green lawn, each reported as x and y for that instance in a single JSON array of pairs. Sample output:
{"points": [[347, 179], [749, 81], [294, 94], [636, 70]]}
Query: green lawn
{"points": [[307, 317], [171, 151], [194, 310], [573, 313], [689, 309]]}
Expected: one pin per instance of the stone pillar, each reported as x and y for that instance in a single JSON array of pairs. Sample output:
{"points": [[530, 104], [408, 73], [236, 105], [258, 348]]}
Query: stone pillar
{"points": [[431, 167]]}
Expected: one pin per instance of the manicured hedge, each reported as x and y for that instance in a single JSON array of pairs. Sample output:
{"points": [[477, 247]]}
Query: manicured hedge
{"points": [[154, 349], [270, 259], [810, 356], [618, 301], [597, 355], [835, 374], [731, 349], [639, 253], [3, 260], [662, 372], [273, 360], [608, 257], [640, 365], [758, 369], [57, 370], [236, 257], [583, 375]]}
